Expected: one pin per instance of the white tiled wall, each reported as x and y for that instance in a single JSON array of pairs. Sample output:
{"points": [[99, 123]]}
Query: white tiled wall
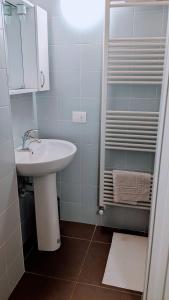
{"points": [[11, 256], [22, 116], [75, 76]]}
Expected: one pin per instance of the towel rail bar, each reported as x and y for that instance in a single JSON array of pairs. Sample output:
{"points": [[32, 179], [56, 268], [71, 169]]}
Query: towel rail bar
{"points": [[108, 194], [120, 3]]}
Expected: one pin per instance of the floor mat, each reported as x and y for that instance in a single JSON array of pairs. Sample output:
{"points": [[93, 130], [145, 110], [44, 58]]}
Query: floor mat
{"points": [[127, 262]]}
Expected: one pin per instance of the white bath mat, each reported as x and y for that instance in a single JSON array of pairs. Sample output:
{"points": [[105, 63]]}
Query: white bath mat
{"points": [[127, 262]]}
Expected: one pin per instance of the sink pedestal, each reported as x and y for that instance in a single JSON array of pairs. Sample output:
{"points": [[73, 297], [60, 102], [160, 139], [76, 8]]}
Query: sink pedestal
{"points": [[47, 217]]}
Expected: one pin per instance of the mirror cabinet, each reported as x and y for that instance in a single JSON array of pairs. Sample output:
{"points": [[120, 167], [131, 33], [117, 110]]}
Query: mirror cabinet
{"points": [[26, 35]]}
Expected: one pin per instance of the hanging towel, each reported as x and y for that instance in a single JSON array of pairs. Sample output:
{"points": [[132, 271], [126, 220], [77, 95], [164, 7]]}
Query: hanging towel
{"points": [[131, 187]]}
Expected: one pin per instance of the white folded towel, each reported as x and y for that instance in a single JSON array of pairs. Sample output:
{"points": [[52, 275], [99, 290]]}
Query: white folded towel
{"points": [[131, 187]]}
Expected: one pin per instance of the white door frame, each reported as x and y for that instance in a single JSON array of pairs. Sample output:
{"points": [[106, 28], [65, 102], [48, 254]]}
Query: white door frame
{"points": [[157, 264]]}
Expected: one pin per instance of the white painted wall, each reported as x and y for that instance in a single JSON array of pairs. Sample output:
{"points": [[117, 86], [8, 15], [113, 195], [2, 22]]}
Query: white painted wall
{"points": [[11, 255]]}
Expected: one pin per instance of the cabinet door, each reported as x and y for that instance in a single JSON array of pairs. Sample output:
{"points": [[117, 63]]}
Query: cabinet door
{"points": [[42, 49]]}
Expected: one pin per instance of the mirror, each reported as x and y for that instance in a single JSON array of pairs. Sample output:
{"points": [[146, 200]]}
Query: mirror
{"points": [[26, 35], [14, 49]]}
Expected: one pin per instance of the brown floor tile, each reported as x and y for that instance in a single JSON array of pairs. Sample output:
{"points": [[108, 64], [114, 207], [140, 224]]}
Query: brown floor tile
{"points": [[64, 263], [86, 292], [77, 230], [103, 234], [95, 263], [33, 287]]}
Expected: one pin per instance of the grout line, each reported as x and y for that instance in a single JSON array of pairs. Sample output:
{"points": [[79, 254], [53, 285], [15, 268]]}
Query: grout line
{"points": [[82, 264], [87, 251], [111, 288], [99, 242], [73, 290], [50, 277], [77, 281], [76, 238], [87, 240], [84, 283]]}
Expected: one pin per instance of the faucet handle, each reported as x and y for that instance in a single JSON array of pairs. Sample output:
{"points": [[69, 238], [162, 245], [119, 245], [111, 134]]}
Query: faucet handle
{"points": [[29, 132]]}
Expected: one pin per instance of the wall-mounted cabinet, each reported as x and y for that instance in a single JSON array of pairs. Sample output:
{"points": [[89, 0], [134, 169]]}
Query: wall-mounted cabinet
{"points": [[27, 47]]}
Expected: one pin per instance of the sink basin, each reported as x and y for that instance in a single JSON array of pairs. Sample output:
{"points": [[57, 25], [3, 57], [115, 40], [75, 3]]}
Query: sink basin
{"points": [[46, 157], [42, 162]]}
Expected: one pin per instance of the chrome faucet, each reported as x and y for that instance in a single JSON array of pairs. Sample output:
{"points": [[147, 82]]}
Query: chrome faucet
{"points": [[28, 136]]}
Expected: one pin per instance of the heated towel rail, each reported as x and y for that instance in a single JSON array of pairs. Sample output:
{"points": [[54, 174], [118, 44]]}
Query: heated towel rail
{"points": [[128, 61]]}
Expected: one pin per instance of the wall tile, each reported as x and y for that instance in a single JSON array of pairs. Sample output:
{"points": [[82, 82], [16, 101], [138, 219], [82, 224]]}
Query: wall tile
{"points": [[2, 261], [48, 107], [4, 287], [92, 107], [148, 22], [90, 164], [65, 84], [70, 212], [4, 96], [71, 131], [125, 218], [120, 20], [61, 33], [144, 104], [5, 122], [119, 91], [122, 103], [13, 246], [142, 91], [140, 162], [92, 36], [91, 84], [50, 129], [64, 58], [66, 106], [8, 188], [2, 50], [72, 174], [9, 220], [117, 160], [22, 116], [6, 158], [70, 192], [165, 20], [91, 57], [1, 21], [9, 208], [89, 204], [90, 132], [16, 271]]}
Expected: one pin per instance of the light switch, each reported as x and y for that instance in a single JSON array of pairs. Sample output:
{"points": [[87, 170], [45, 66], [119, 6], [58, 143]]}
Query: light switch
{"points": [[79, 117]]}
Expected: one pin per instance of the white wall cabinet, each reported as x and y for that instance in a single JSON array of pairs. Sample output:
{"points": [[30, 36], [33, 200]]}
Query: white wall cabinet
{"points": [[28, 61], [42, 49]]}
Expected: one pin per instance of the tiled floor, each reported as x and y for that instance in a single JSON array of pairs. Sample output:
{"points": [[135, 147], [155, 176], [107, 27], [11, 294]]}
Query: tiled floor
{"points": [[75, 271]]}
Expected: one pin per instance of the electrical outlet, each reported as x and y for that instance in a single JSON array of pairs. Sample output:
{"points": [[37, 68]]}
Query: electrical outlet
{"points": [[79, 117]]}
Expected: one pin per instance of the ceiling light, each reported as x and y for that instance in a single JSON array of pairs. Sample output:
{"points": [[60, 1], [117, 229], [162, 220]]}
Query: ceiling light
{"points": [[82, 14]]}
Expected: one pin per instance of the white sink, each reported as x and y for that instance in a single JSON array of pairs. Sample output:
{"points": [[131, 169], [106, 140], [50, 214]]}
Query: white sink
{"points": [[42, 162], [46, 157]]}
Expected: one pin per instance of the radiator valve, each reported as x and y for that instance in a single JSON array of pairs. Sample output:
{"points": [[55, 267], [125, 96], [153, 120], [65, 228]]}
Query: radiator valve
{"points": [[101, 211]]}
